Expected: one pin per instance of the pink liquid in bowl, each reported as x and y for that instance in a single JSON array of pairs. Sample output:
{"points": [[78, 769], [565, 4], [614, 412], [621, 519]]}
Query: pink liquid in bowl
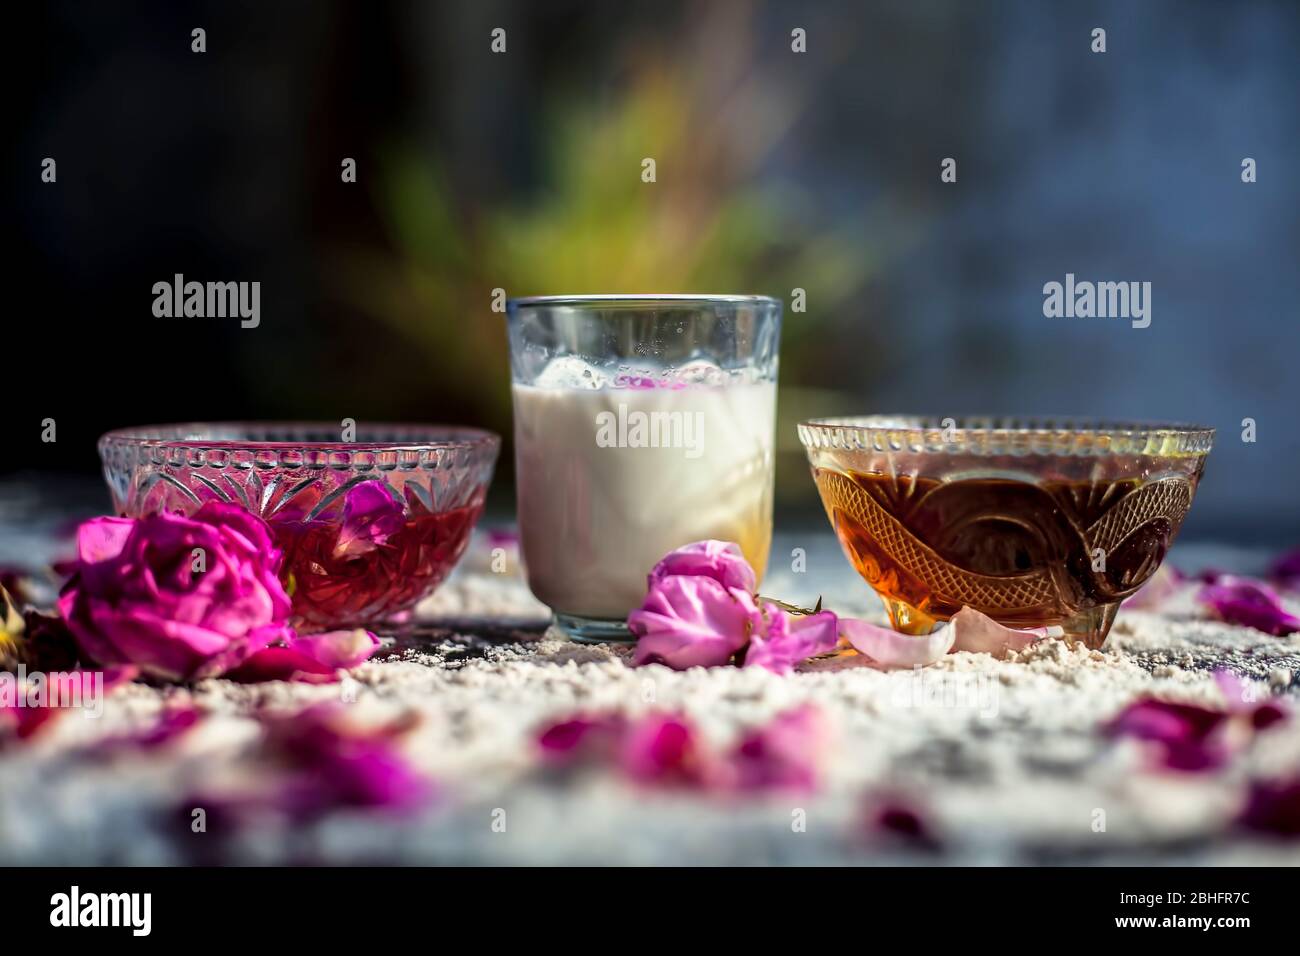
{"points": [[331, 591]]}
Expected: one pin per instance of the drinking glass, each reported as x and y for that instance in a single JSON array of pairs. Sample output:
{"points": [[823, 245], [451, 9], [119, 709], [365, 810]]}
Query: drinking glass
{"points": [[642, 423]]}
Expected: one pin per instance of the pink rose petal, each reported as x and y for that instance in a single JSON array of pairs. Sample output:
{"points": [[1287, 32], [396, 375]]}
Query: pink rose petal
{"points": [[892, 650], [284, 663], [338, 649], [900, 820], [1191, 737], [665, 750], [1242, 601], [100, 539], [788, 640], [662, 749], [785, 754], [580, 738], [980, 634], [310, 658], [371, 515], [327, 760], [1185, 737]]}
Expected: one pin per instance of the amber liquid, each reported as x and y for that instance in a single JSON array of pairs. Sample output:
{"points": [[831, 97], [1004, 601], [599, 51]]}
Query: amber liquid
{"points": [[1027, 554]]}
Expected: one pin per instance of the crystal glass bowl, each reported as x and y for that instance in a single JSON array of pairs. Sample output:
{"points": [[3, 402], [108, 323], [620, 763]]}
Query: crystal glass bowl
{"points": [[368, 527], [1032, 522]]}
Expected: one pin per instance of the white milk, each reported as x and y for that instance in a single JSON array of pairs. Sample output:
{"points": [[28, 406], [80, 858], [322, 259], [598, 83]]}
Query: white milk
{"points": [[612, 479]]}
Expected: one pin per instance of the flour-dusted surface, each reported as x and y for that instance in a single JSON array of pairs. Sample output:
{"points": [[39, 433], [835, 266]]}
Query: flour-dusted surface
{"points": [[1003, 758]]}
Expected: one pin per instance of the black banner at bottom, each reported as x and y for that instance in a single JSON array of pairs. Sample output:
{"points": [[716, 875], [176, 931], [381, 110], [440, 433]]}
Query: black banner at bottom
{"points": [[368, 906]]}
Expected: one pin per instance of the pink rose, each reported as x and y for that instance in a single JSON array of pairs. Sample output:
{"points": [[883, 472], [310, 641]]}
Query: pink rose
{"points": [[691, 622], [181, 598], [699, 609], [722, 561]]}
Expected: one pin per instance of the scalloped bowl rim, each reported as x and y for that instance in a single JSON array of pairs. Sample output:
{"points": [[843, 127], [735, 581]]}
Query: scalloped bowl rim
{"points": [[440, 437], [1024, 435]]}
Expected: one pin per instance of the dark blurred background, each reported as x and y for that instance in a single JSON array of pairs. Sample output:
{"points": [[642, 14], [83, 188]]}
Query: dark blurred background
{"points": [[775, 170]]}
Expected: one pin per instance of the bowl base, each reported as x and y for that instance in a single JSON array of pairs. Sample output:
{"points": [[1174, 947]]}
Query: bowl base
{"points": [[1088, 628]]}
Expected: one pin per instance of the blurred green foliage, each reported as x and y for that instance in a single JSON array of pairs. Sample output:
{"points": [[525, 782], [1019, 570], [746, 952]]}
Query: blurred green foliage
{"points": [[712, 222]]}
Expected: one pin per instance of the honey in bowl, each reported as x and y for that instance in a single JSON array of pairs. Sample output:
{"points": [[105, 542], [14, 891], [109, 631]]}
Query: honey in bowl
{"points": [[1053, 536]]}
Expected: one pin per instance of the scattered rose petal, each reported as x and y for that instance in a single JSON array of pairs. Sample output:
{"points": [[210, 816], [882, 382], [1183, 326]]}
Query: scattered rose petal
{"points": [[665, 750], [309, 658], [662, 749], [787, 640], [722, 561], [282, 662], [901, 821], [371, 515], [1191, 737], [331, 761], [338, 649], [980, 634], [1273, 807], [1187, 736], [1238, 600], [580, 738], [784, 755], [691, 622], [316, 761], [890, 649]]}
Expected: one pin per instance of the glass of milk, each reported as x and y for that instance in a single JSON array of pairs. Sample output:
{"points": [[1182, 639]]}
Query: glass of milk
{"points": [[642, 423]]}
